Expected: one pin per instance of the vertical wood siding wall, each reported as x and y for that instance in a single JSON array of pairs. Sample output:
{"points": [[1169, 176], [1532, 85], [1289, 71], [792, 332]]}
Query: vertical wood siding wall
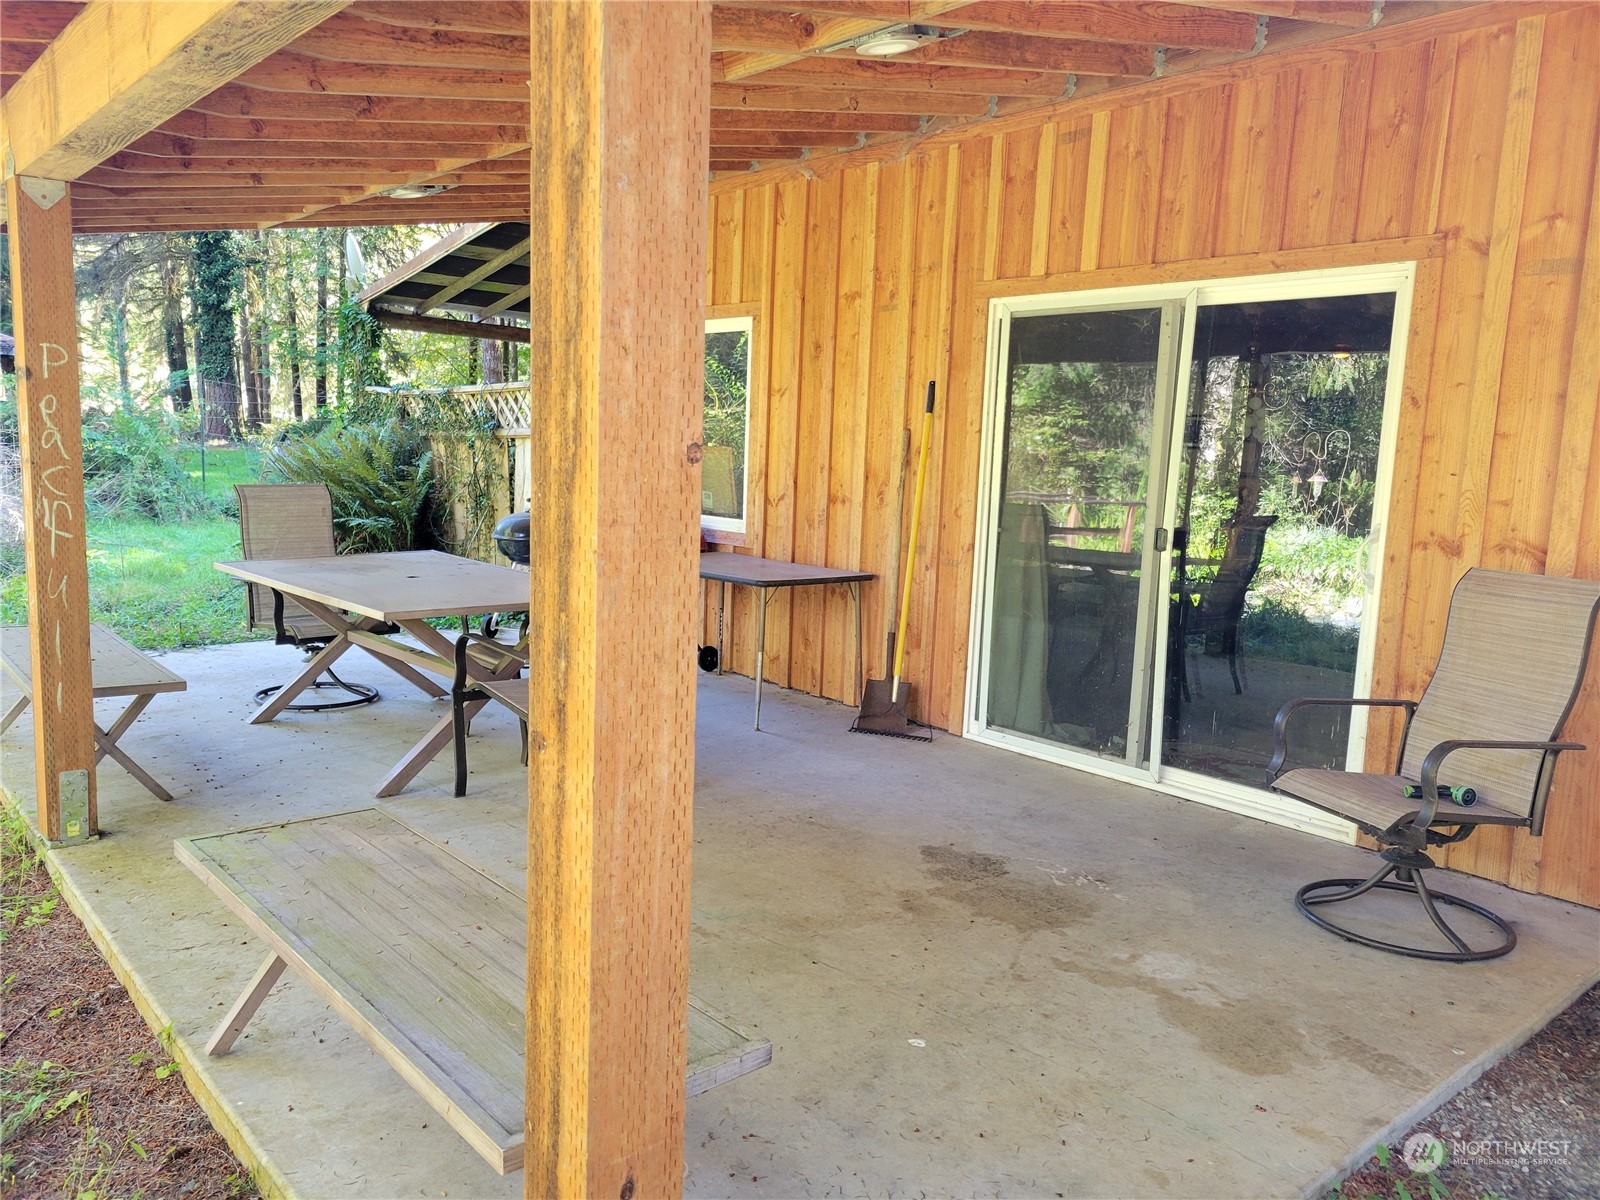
{"points": [[1468, 147]]}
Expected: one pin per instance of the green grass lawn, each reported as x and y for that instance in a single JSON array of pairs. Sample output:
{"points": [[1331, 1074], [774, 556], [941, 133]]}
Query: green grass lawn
{"points": [[153, 582], [221, 468]]}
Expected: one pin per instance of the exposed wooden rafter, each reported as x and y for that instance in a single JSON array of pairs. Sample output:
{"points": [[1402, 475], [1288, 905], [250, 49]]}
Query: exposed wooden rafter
{"points": [[362, 97]]}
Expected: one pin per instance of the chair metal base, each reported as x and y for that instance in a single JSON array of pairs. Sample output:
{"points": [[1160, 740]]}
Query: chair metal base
{"points": [[1408, 880], [358, 693]]}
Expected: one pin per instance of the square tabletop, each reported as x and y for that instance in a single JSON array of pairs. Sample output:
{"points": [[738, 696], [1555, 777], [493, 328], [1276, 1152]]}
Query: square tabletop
{"points": [[403, 585]]}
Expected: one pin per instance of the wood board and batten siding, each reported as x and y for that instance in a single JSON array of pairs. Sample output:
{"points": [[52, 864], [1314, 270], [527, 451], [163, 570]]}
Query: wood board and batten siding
{"points": [[1466, 143]]}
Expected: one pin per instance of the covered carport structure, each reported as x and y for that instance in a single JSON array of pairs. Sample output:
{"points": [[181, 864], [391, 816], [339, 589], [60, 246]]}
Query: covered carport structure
{"points": [[606, 126]]}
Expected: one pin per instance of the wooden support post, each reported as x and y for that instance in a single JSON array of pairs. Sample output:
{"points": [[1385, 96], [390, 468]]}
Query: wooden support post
{"points": [[620, 110], [40, 214]]}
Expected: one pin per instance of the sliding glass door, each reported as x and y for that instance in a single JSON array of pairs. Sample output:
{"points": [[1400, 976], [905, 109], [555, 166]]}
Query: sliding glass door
{"points": [[1182, 488], [1081, 435]]}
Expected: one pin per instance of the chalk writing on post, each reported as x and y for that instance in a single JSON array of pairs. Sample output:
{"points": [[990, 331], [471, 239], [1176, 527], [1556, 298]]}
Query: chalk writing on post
{"points": [[54, 508]]}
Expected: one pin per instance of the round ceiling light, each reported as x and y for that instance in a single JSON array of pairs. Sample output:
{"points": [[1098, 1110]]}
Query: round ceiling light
{"points": [[416, 191], [887, 44]]}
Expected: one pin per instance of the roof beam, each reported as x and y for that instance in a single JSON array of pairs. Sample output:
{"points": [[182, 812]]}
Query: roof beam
{"points": [[754, 29], [1015, 53], [509, 255], [488, 330], [915, 77], [239, 100], [842, 100], [290, 72], [124, 66], [347, 38], [202, 127], [37, 20], [826, 34], [1355, 14], [502, 17], [157, 151], [727, 118], [1143, 21]]}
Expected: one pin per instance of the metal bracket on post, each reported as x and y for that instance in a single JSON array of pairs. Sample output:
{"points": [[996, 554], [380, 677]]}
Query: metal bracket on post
{"points": [[46, 193], [74, 808]]}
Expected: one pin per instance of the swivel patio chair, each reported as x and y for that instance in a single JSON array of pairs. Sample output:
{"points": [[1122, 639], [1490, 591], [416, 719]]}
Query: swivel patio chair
{"points": [[293, 520], [1515, 649]]}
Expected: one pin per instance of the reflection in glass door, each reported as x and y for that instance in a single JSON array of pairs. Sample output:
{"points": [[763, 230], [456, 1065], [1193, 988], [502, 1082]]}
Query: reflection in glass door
{"points": [[1276, 484], [1068, 653]]}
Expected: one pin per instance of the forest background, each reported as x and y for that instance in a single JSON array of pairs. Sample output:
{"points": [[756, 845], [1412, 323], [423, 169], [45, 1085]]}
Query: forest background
{"points": [[222, 357]]}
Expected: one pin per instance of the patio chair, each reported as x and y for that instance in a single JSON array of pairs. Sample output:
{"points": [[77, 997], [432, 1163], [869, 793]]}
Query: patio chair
{"points": [[513, 693], [293, 520], [1515, 649]]}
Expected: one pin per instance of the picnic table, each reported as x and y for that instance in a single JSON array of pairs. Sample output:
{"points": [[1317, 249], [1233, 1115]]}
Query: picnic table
{"points": [[116, 669]]}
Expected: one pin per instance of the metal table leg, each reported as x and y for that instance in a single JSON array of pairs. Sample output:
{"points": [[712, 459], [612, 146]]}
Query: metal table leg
{"points": [[722, 649], [761, 646], [855, 594]]}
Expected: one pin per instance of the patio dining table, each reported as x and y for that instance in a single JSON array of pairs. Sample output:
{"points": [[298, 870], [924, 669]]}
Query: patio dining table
{"points": [[402, 588]]}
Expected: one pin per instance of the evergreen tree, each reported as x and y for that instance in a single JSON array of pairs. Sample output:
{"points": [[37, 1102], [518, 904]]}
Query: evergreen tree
{"points": [[217, 280]]}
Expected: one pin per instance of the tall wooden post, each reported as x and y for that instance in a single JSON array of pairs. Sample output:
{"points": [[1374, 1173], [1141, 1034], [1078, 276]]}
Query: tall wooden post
{"points": [[40, 220], [620, 95]]}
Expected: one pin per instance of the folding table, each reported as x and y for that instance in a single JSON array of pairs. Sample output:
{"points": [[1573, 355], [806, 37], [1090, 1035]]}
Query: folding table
{"points": [[116, 668], [766, 575]]}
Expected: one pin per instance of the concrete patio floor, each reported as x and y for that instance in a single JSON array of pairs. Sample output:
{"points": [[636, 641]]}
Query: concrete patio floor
{"points": [[982, 975]]}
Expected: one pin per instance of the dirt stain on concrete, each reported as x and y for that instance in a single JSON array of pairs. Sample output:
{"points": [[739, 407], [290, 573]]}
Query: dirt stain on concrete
{"points": [[1242, 1034], [1369, 1058], [984, 885]]}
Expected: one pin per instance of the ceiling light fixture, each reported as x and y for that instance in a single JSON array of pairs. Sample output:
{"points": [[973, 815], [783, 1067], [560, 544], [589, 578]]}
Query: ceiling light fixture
{"points": [[415, 191], [890, 42]]}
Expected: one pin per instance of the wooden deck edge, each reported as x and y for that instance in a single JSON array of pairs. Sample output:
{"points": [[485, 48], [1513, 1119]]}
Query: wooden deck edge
{"points": [[190, 1057]]}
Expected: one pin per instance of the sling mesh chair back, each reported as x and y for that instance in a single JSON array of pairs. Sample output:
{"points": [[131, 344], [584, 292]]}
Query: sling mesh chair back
{"points": [[292, 520], [1479, 748]]}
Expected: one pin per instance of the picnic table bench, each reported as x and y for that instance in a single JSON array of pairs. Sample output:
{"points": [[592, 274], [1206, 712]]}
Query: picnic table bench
{"points": [[116, 669], [421, 952]]}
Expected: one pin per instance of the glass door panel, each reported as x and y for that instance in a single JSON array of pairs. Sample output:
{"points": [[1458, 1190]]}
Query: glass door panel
{"points": [[1274, 515], [1067, 654]]}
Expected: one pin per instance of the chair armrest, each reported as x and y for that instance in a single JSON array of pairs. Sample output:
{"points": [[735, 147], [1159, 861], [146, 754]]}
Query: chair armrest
{"points": [[1280, 723], [1435, 757]]}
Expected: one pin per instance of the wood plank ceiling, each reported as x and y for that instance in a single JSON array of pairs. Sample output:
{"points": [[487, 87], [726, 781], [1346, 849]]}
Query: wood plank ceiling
{"points": [[388, 95]]}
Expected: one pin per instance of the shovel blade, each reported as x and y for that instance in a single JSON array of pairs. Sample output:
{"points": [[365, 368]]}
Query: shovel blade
{"points": [[884, 713]]}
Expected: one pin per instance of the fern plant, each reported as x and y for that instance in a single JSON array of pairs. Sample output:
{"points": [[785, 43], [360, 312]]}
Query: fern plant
{"points": [[380, 478]]}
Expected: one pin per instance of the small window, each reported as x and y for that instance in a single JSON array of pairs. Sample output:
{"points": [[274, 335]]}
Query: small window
{"points": [[727, 423]]}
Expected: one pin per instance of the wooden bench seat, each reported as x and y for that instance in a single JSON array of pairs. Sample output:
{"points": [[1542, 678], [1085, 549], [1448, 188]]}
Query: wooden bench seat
{"points": [[117, 669], [424, 955]]}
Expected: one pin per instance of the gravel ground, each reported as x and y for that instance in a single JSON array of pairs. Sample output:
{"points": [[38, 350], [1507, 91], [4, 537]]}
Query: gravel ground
{"points": [[1528, 1129]]}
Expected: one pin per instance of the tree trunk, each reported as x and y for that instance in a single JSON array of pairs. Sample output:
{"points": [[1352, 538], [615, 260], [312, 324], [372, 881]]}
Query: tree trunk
{"points": [[322, 319], [119, 339], [491, 359], [247, 365], [261, 329], [295, 406], [216, 288], [172, 333]]}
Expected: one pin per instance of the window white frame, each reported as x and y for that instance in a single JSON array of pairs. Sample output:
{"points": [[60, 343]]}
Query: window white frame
{"points": [[736, 324]]}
